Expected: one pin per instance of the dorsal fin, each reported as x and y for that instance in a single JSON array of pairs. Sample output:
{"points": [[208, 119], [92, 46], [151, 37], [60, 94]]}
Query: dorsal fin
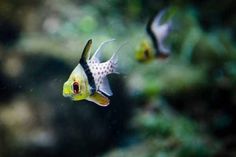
{"points": [[85, 53], [97, 53], [105, 87]]}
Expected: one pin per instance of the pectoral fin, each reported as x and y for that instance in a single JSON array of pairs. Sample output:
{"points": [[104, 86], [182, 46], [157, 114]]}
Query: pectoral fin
{"points": [[99, 99]]}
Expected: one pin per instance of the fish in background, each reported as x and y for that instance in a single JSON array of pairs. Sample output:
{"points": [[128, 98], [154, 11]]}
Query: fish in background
{"points": [[158, 31], [88, 81]]}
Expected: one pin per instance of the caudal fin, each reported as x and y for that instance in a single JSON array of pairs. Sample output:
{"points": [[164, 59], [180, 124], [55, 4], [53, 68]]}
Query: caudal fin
{"points": [[113, 61]]}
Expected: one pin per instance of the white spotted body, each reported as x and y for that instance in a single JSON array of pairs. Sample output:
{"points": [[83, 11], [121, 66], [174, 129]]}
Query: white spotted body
{"points": [[100, 71]]}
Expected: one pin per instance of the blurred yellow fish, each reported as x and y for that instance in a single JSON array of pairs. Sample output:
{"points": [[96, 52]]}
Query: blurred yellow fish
{"points": [[88, 80], [158, 32]]}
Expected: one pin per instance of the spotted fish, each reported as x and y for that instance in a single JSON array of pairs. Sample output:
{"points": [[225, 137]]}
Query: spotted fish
{"points": [[88, 81]]}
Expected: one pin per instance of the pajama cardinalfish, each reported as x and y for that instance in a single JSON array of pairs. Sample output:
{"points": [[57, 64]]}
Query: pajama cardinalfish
{"points": [[88, 80], [158, 32]]}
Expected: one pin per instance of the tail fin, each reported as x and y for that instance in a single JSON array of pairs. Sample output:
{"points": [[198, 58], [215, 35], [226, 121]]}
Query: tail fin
{"points": [[113, 61]]}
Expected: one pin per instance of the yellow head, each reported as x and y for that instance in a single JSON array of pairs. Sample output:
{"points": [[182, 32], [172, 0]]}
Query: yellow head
{"points": [[77, 87], [145, 52]]}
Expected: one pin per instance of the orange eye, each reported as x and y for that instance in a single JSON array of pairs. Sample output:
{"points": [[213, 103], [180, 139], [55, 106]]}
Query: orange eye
{"points": [[76, 87]]}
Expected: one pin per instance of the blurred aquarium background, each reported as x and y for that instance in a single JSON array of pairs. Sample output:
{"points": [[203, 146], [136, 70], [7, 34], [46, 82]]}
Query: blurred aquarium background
{"points": [[183, 106]]}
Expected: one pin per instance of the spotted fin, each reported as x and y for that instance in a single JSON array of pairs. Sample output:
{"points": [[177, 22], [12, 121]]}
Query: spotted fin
{"points": [[105, 87], [97, 53], [99, 99], [85, 54]]}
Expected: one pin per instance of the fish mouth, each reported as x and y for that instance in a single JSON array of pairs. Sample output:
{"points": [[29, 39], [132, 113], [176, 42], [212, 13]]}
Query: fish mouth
{"points": [[66, 95], [65, 91]]}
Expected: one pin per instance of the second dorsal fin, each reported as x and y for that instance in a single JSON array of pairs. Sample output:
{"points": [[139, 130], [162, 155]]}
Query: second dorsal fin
{"points": [[97, 54]]}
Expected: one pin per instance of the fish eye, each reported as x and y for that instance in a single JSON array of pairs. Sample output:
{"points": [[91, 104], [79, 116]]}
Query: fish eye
{"points": [[146, 54], [76, 88]]}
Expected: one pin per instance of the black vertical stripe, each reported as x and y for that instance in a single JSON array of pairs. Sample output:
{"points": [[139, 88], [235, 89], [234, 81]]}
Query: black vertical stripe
{"points": [[152, 35], [89, 75]]}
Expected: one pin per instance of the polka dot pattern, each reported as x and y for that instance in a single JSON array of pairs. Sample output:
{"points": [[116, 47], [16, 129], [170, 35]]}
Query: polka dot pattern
{"points": [[100, 70]]}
